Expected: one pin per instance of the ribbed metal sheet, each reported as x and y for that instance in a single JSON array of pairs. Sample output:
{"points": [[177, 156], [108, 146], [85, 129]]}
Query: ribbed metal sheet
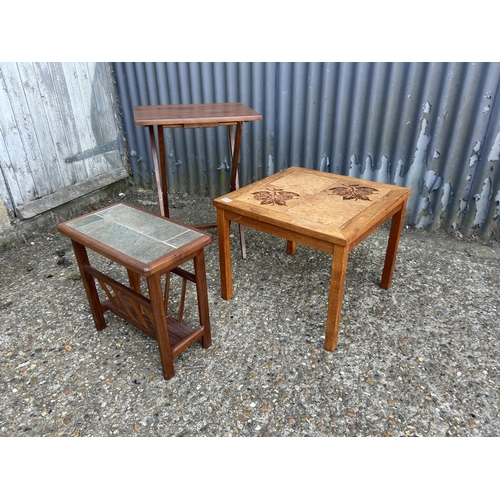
{"points": [[434, 127]]}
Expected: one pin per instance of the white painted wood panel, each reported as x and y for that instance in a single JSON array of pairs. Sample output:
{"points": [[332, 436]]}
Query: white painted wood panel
{"points": [[50, 112]]}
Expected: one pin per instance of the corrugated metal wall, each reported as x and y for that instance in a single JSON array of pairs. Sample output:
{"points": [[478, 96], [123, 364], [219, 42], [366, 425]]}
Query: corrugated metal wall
{"points": [[434, 127]]}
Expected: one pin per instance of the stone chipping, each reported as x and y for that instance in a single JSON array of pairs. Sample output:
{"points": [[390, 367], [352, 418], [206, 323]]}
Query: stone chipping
{"points": [[419, 359]]}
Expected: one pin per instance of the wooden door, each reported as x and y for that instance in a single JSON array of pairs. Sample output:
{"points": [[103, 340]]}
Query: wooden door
{"points": [[59, 134]]}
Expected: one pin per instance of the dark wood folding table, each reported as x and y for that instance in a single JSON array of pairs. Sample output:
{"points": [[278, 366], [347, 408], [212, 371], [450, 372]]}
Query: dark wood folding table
{"points": [[230, 114]]}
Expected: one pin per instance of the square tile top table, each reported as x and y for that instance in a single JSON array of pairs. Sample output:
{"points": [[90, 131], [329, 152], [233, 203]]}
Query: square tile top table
{"points": [[333, 208], [141, 240], [329, 212]]}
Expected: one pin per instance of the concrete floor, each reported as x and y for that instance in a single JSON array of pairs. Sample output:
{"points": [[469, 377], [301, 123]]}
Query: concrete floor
{"points": [[419, 359]]}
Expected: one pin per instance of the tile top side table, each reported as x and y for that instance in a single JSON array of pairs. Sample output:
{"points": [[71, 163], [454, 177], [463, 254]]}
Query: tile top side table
{"points": [[329, 212], [150, 246], [192, 116]]}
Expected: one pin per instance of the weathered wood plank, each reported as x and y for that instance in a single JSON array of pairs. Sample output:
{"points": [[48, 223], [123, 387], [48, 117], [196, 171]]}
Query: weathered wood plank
{"points": [[4, 193], [50, 112], [15, 162], [66, 194], [103, 120], [39, 119], [66, 115], [79, 79], [5, 170]]}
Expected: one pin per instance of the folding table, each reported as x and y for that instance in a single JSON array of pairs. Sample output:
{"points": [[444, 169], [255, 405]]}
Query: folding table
{"points": [[190, 116]]}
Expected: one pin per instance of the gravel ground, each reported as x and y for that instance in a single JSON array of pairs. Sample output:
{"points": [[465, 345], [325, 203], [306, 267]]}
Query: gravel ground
{"points": [[419, 359]]}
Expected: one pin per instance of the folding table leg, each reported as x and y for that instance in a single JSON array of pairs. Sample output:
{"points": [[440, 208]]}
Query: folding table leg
{"points": [[160, 170], [235, 179], [240, 227]]}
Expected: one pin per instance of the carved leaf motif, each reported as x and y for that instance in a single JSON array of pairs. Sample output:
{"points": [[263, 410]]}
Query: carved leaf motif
{"points": [[274, 196], [353, 192]]}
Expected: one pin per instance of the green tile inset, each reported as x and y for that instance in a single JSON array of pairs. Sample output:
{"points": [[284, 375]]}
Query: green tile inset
{"points": [[89, 219], [144, 223], [186, 237], [138, 234], [123, 239]]}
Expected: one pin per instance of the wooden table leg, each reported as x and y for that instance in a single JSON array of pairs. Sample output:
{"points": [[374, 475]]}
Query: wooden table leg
{"points": [[235, 179], [291, 247], [163, 169], [89, 284], [337, 282], [241, 229], [235, 152], [160, 319], [134, 280], [202, 295], [392, 246], [160, 170], [223, 233]]}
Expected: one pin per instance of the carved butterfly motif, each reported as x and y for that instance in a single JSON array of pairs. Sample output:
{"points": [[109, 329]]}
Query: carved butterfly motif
{"points": [[274, 196], [353, 192]]}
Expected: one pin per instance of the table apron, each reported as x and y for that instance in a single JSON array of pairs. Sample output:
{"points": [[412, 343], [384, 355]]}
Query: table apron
{"points": [[161, 265], [281, 232], [208, 125], [193, 125], [364, 234]]}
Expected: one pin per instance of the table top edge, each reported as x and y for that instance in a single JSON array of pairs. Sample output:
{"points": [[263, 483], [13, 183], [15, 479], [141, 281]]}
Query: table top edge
{"points": [[116, 255], [194, 113]]}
